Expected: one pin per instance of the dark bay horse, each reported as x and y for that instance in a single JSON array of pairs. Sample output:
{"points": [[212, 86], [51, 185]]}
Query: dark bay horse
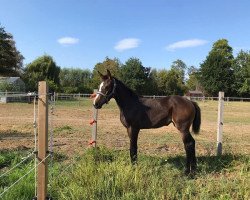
{"points": [[142, 113]]}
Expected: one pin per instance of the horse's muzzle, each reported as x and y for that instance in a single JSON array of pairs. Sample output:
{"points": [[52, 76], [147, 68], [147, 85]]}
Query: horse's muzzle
{"points": [[97, 106]]}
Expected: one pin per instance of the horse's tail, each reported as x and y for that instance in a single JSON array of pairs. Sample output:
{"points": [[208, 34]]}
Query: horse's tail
{"points": [[197, 118]]}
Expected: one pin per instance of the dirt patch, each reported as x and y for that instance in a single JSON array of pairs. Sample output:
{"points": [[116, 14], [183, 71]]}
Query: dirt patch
{"points": [[72, 131]]}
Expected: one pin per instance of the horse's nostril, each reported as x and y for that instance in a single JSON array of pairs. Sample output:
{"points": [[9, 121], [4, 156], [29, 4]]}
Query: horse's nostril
{"points": [[96, 105]]}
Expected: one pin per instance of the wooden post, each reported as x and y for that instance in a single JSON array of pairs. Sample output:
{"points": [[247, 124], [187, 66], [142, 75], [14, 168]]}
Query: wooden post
{"points": [[42, 140], [220, 123], [94, 128]]}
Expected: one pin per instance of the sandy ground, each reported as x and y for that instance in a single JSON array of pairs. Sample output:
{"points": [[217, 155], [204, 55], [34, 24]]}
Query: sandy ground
{"points": [[71, 130]]}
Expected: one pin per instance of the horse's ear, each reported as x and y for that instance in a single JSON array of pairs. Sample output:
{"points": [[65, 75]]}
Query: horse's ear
{"points": [[109, 74], [101, 75]]}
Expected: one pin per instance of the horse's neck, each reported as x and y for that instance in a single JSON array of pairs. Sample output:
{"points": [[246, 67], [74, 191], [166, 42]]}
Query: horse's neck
{"points": [[125, 98]]}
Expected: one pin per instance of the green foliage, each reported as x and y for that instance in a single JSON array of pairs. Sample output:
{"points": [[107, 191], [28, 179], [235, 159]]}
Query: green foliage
{"points": [[242, 73], [216, 71], [170, 82], [135, 75], [11, 60], [10, 87], [180, 67], [75, 80], [113, 65], [43, 68], [174, 84], [161, 81], [193, 82], [151, 86]]}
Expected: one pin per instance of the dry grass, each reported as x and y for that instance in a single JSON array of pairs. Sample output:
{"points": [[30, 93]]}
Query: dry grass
{"points": [[72, 131]]}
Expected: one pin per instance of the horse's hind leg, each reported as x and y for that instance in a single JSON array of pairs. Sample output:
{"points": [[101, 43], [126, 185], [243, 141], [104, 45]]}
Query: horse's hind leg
{"points": [[189, 144]]}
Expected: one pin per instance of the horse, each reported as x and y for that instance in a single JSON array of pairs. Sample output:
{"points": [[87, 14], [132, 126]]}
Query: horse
{"points": [[143, 113]]}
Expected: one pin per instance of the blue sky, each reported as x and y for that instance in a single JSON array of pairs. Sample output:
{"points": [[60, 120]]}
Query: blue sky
{"points": [[82, 33]]}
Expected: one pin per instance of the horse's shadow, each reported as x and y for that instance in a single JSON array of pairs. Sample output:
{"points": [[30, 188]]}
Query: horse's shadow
{"points": [[206, 164]]}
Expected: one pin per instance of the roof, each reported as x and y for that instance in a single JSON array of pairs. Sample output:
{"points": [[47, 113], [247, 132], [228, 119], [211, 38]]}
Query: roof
{"points": [[9, 79], [195, 92]]}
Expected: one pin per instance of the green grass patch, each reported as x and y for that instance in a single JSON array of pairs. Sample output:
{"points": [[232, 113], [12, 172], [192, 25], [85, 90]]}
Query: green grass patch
{"points": [[24, 189], [62, 130], [105, 174]]}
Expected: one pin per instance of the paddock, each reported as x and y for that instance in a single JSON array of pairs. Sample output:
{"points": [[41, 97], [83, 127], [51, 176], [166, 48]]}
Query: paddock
{"points": [[72, 130]]}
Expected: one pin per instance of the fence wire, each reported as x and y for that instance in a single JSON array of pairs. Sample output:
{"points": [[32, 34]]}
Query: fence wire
{"points": [[18, 164], [17, 181]]}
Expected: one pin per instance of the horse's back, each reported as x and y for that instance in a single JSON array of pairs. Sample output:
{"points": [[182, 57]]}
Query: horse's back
{"points": [[155, 113]]}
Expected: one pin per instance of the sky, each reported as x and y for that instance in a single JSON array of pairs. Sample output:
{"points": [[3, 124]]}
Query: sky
{"points": [[81, 33]]}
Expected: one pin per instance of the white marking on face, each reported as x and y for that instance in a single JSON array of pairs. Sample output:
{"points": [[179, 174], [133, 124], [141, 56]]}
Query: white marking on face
{"points": [[100, 89]]}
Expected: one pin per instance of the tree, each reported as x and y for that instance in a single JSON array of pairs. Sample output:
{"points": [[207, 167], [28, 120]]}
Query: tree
{"points": [[216, 71], [170, 83], [11, 60], [180, 67], [192, 82], [11, 87], [135, 76], [151, 87], [113, 65], [75, 80], [242, 73], [43, 68], [161, 78]]}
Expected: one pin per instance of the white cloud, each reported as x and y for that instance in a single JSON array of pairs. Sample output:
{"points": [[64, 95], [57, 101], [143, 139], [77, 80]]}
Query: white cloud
{"points": [[186, 44], [67, 40], [127, 43]]}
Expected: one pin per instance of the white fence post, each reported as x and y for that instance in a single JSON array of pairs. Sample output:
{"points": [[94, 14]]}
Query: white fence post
{"points": [[94, 123], [220, 123]]}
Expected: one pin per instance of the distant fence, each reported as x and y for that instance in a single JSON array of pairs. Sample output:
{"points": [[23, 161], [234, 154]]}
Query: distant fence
{"points": [[6, 97], [216, 98], [76, 96], [203, 98]]}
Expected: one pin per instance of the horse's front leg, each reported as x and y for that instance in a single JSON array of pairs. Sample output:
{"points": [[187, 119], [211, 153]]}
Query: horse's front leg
{"points": [[133, 136]]}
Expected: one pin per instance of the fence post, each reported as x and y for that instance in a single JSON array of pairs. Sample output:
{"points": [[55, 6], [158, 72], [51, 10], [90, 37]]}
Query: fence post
{"points": [[42, 170], [220, 123], [94, 128]]}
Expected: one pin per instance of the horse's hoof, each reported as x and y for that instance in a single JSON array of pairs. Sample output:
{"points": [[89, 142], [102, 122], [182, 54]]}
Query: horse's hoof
{"points": [[187, 172], [134, 163], [190, 174]]}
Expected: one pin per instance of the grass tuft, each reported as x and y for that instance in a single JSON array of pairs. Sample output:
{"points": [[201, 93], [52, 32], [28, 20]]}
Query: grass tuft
{"points": [[102, 173]]}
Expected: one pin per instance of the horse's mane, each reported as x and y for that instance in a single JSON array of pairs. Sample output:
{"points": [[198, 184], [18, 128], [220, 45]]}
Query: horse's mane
{"points": [[128, 90]]}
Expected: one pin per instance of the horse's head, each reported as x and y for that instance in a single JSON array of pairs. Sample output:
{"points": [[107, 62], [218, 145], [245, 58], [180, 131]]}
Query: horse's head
{"points": [[106, 90]]}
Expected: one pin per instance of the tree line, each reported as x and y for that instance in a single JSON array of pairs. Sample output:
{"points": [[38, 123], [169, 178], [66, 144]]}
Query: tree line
{"points": [[220, 71]]}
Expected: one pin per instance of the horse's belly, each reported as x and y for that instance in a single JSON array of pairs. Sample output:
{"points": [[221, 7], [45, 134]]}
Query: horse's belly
{"points": [[157, 123]]}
